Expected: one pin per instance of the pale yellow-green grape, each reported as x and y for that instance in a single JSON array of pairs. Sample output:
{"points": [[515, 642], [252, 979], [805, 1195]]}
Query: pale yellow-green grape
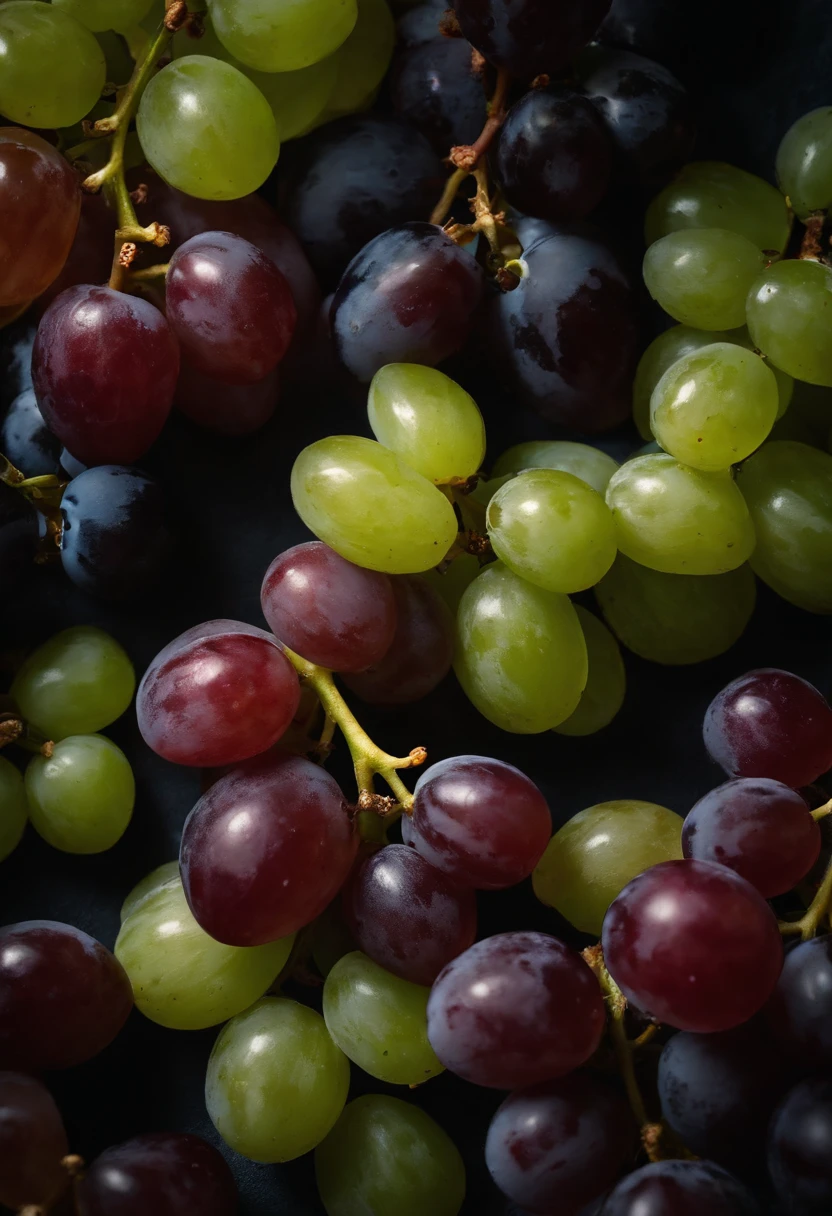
{"points": [[100, 15], [455, 581], [552, 529], [714, 407], [380, 1021], [276, 1082], [701, 276], [206, 129], [606, 683], [660, 355], [676, 618], [428, 420], [804, 162], [13, 808], [790, 318], [485, 489], [677, 519], [81, 798], [371, 507], [711, 194], [788, 488], [51, 67], [598, 851], [385, 1157], [282, 35], [364, 57], [785, 382], [590, 464], [181, 977], [162, 876], [520, 652]]}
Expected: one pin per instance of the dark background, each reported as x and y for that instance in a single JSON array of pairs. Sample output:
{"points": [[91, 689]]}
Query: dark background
{"points": [[752, 68]]}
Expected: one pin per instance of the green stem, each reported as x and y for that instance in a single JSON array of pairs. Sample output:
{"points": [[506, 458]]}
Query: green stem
{"points": [[822, 811], [150, 273], [808, 924]]}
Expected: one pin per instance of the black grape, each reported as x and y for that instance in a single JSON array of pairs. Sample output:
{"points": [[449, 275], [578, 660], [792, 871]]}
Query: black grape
{"points": [[26, 440], [530, 36], [680, 1188], [16, 343], [800, 1149], [434, 87], [421, 24], [800, 1009]]}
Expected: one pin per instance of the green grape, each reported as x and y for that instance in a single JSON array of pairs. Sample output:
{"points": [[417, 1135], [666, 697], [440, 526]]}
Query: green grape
{"points": [[711, 194], [81, 798], [552, 529], [590, 464], [119, 70], [362, 61], [385, 1157], [427, 420], [790, 318], [330, 938], [13, 808], [486, 488], [163, 876], [282, 35], [788, 488], [676, 619], [77, 683], [677, 519], [181, 977], [785, 382], [52, 69], [455, 581], [371, 507], [379, 1021], [701, 276], [804, 162], [276, 1082], [520, 652], [606, 683], [714, 407], [100, 15], [207, 130], [598, 851]]}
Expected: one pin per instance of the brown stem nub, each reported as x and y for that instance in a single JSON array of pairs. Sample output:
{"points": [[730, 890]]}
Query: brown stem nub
{"points": [[466, 156], [449, 25], [811, 247]]}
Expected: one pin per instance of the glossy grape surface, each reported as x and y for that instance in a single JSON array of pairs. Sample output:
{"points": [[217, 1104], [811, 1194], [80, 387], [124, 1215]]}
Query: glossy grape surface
{"points": [[32, 1143], [13, 807], [51, 67], [81, 798], [26, 439], [798, 1012], [433, 86], [170, 1172], [800, 1149], [228, 409], [789, 318], [162, 876], [702, 276], [529, 36], [590, 464], [711, 194], [282, 36], [680, 1188], [606, 681], [451, 584], [90, 257], [803, 172]]}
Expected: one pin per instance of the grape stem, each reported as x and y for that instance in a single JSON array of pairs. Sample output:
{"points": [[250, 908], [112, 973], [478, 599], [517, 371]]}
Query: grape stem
{"points": [[150, 273], [808, 924], [43, 493], [13, 729], [466, 157], [822, 811]]}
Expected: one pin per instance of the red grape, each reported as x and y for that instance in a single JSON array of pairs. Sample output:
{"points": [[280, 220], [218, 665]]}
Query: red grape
{"points": [[693, 945], [530, 36], [800, 1149], [434, 86], [514, 1010], [228, 409], [800, 1009], [32, 1143], [680, 1188], [166, 1173], [91, 256]]}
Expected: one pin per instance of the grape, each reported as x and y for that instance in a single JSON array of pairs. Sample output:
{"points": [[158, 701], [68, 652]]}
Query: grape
{"points": [[701, 276], [760, 828], [553, 529], [433, 86], [363, 58], [26, 439], [529, 36], [51, 70], [326, 609], [770, 723], [266, 849], [407, 297], [799, 1009], [803, 163], [217, 694], [166, 1172], [679, 520], [606, 683], [677, 931], [63, 996], [13, 808], [16, 361], [711, 194], [78, 682], [714, 407], [431, 423], [420, 24], [206, 129], [514, 1010], [163, 876], [32, 1143], [100, 15], [284, 35], [799, 1148], [520, 652], [370, 507], [590, 464], [788, 318], [680, 1188], [105, 367], [228, 409], [181, 977], [276, 1082], [451, 584], [81, 798], [557, 1146]]}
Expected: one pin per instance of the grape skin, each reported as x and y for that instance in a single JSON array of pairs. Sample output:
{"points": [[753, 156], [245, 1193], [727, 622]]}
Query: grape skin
{"points": [[168, 1172], [26, 439], [362, 59], [590, 464], [803, 162], [52, 69], [527, 37], [606, 683], [800, 1143], [789, 319], [680, 1188], [702, 276], [433, 86], [32, 1143], [710, 194], [14, 810], [227, 409], [282, 37], [799, 1010], [81, 798]]}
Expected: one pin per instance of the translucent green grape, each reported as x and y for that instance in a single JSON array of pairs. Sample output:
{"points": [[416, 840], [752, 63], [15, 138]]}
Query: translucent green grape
{"points": [[677, 519], [520, 652], [276, 1082], [590, 464], [81, 798], [593, 857], [676, 619], [711, 194], [552, 529], [380, 1021], [606, 683], [13, 808], [51, 67], [100, 15], [427, 420], [714, 407], [77, 683], [181, 977], [804, 162], [206, 129], [790, 318], [282, 35], [701, 276], [387, 1158], [363, 59], [785, 382], [371, 507], [163, 876], [456, 580], [788, 488]]}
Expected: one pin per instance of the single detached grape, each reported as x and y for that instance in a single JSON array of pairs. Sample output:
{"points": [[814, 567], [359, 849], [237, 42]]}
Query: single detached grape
{"points": [[701, 276], [433, 85], [32, 1143], [14, 810], [800, 1148], [803, 163], [26, 439], [282, 36], [81, 798], [52, 69], [606, 683], [590, 464], [166, 1172], [800, 1007], [680, 1188], [530, 36], [711, 194], [228, 409], [789, 318]]}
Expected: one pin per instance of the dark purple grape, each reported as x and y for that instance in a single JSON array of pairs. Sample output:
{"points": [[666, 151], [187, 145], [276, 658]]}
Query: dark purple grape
{"points": [[26, 440], [166, 1173], [63, 996], [530, 36], [18, 532], [800, 1149], [421, 24], [228, 409], [434, 86], [800, 1010], [680, 1188], [16, 342], [407, 915], [32, 1143]]}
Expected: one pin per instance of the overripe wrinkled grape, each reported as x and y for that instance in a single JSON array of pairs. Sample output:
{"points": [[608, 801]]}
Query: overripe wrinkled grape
{"points": [[81, 798], [433, 86], [789, 318], [529, 36], [590, 464], [281, 37], [799, 1010], [51, 67], [803, 163], [362, 60], [26, 439], [228, 409], [606, 681], [168, 1172], [13, 807], [32, 1143], [711, 194], [800, 1148], [701, 276], [680, 1188]]}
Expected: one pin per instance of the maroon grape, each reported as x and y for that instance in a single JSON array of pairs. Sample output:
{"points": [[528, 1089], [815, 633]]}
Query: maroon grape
{"points": [[32, 1143], [515, 1010], [104, 368], [63, 996], [26, 440], [407, 915], [482, 822], [228, 409], [328, 610], [266, 849], [800, 1010], [800, 1149], [217, 694], [434, 86], [530, 36], [91, 256], [680, 1188], [693, 945], [166, 1173]]}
